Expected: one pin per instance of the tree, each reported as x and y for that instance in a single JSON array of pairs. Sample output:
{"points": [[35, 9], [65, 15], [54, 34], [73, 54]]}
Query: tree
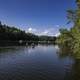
{"points": [[72, 36], [0, 23]]}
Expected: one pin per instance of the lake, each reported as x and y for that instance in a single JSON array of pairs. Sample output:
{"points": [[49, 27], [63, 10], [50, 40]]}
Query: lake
{"points": [[40, 62]]}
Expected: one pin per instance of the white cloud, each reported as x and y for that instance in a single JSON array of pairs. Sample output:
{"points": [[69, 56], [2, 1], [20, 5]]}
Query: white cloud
{"points": [[31, 30], [49, 31], [45, 32], [57, 34]]}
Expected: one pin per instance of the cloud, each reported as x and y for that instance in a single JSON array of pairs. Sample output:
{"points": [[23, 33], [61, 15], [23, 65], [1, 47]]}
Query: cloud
{"points": [[57, 34], [45, 32], [31, 30], [49, 31]]}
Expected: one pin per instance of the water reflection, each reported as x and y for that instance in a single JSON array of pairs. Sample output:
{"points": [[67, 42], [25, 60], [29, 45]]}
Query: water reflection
{"points": [[64, 51], [74, 72], [38, 62]]}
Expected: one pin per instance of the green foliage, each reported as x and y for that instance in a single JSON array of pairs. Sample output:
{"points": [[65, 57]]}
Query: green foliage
{"points": [[65, 37], [72, 37], [71, 15]]}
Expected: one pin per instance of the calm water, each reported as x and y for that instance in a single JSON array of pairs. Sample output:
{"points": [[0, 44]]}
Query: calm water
{"points": [[42, 62]]}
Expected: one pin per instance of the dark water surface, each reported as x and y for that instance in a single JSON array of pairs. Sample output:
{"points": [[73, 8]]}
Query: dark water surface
{"points": [[37, 63]]}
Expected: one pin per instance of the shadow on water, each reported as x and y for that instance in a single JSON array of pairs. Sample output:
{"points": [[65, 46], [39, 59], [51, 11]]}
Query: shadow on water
{"points": [[64, 51], [74, 73]]}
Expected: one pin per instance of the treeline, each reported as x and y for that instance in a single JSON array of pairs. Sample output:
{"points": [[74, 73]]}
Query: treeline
{"points": [[8, 33], [71, 38]]}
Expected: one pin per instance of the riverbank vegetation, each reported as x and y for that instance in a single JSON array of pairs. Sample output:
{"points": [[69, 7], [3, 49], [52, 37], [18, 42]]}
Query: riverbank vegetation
{"points": [[71, 38]]}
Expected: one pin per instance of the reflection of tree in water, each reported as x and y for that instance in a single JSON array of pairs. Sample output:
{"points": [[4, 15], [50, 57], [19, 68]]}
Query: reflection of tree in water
{"points": [[74, 72], [64, 51]]}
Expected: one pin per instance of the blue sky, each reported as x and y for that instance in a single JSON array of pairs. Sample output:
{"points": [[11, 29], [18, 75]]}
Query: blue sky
{"points": [[43, 17]]}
